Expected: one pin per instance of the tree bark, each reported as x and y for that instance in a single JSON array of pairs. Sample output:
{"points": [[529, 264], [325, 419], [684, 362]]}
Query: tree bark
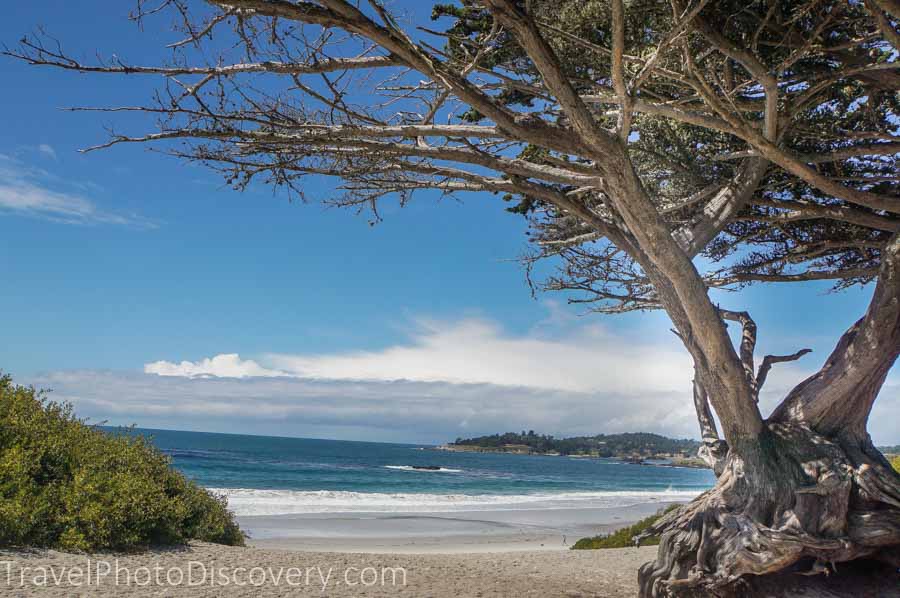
{"points": [[837, 400], [815, 492], [803, 502], [684, 296], [713, 451]]}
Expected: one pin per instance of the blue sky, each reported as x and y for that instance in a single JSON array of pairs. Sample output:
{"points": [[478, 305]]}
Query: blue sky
{"points": [[118, 259]]}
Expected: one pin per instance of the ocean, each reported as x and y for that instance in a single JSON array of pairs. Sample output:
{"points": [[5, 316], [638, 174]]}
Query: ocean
{"points": [[266, 475]]}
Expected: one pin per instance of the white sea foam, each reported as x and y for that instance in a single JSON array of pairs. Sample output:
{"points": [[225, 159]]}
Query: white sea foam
{"points": [[246, 501], [413, 468]]}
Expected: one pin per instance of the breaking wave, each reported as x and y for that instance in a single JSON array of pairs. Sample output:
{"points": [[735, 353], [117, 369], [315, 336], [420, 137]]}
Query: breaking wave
{"points": [[246, 501], [424, 469]]}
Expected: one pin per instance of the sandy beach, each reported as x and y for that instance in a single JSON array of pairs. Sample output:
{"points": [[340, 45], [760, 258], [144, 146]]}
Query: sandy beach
{"points": [[440, 532], [212, 570], [478, 554], [438, 555]]}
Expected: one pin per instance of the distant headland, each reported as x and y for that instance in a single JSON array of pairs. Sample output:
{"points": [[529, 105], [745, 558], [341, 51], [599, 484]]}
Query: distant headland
{"points": [[633, 447]]}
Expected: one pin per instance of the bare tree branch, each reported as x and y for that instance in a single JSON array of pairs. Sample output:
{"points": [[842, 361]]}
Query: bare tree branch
{"points": [[770, 360]]}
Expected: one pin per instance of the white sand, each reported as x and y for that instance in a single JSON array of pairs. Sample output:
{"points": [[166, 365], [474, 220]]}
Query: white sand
{"points": [[564, 573], [450, 533], [442, 555]]}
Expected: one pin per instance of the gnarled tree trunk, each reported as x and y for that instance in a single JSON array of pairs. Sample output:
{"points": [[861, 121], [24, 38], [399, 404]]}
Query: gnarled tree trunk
{"points": [[811, 491], [801, 497]]}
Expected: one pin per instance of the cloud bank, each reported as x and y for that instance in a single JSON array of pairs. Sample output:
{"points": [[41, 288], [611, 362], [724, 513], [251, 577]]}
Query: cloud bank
{"points": [[398, 411], [477, 351], [451, 378], [228, 365]]}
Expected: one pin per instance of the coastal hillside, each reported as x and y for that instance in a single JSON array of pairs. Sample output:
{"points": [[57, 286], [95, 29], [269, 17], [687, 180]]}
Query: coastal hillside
{"points": [[627, 445]]}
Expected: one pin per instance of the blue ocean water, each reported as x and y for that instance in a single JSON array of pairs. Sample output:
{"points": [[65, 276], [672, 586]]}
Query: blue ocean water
{"points": [[275, 475]]}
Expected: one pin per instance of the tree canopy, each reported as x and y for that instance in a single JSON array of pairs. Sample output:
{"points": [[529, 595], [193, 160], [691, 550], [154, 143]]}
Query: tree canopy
{"points": [[765, 134]]}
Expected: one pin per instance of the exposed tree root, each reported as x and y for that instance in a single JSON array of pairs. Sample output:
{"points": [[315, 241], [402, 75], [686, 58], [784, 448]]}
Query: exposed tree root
{"points": [[862, 578], [802, 502]]}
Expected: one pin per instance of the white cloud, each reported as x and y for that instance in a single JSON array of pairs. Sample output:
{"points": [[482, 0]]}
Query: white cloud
{"points": [[221, 366], [25, 190], [477, 351], [451, 378], [360, 410], [47, 150], [399, 411]]}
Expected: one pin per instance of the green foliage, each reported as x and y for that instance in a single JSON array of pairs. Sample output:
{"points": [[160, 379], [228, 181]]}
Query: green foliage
{"points": [[623, 538], [67, 485], [895, 462], [676, 159], [602, 445]]}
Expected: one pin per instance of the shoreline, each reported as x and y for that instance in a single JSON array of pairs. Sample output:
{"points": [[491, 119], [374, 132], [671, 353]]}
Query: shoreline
{"points": [[482, 531], [250, 502]]}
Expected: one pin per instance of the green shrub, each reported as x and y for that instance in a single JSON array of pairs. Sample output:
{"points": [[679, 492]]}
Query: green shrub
{"points": [[895, 462], [70, 486], [623, 538]]}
